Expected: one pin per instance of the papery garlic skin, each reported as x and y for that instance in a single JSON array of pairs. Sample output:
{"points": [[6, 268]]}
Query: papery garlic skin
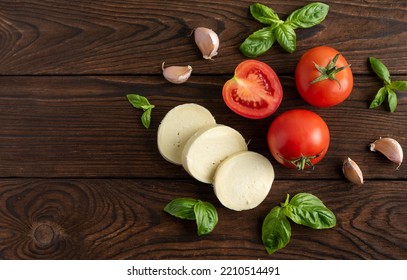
{"points": [[352, 171], [176, 74], [390, 148], [207, 41]]}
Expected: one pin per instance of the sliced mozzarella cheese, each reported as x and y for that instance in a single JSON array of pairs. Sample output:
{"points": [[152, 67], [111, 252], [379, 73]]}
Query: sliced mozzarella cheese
{"points": [[243, 180], [207, 148], [178, 125]]}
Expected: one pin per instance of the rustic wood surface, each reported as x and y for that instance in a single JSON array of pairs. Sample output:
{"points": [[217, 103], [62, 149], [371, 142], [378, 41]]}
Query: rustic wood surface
{"points": [[80, 178]]}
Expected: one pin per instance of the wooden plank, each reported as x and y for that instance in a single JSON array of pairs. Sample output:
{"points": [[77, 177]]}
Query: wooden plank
{"points": [[123, 219], [80, 178], [85, 127], [134, 37]]}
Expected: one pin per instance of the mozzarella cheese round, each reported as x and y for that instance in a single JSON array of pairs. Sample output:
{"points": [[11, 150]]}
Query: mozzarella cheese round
{"points": [[207, 148], [243, 180], [178, 125]]}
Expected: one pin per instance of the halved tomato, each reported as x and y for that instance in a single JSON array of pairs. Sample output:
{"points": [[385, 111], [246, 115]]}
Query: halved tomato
{"points": [[255, 91]]}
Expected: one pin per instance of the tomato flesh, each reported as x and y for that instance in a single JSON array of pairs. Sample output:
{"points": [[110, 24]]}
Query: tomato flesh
{"points": [[255, 90], [298, 138], [328, 92]]}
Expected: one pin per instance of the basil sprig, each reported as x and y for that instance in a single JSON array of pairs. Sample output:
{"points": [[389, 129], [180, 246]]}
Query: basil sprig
{"points": [[204, 213], [141, 102], [389, 89], [303, 209], [281, 31]]}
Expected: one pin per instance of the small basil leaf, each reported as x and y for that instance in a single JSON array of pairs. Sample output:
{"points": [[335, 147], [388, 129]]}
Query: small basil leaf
{"points": [[141, 102], [206, 217], [182, 208], [286, 37], [259, 42], [380, 69], [398, 85], [146, 107], [276, 230], [392, 100], [137, 101], [264, 14], [146, 118], [379, 98], [308, 16], [308, 210]]}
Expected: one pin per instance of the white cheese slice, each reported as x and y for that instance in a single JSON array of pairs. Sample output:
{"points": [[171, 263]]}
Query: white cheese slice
{"points": [[178, 125], [207, 148], [243, 180]]}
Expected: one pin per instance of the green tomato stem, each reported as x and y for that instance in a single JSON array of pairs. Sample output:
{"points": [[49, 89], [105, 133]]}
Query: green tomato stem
{"points": [[301, 162], [330, 71]]}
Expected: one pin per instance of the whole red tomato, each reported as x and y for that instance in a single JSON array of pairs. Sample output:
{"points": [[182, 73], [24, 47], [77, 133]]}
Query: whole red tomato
{"points": [[323, 77], [298, 138], [254, 92]]}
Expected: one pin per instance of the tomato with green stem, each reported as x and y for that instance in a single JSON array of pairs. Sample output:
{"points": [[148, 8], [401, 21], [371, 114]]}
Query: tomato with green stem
{"points": [[298, 138], [323, 77], [255, 91]]}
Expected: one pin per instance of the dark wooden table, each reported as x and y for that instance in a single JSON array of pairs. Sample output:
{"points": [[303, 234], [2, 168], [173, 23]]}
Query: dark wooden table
{"points": [[82, 179]]}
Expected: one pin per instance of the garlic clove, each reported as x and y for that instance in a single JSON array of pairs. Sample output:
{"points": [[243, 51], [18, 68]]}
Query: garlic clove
{"points": [[390, 148], [207, 41], [177, 74], [352, 172]]}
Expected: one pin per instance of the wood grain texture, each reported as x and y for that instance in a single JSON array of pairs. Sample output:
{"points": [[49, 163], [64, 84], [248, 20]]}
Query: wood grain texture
{"points": [[85, 127], [49, 219], [80, 178], [134, 37]]}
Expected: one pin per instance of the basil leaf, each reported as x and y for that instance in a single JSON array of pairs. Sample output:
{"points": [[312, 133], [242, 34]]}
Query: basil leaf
{"points": [[286, 37], [308, 16], [398, 85], [379, 98], [146, 118], [141, 102], [264, 14], [380, 69], [283, 32], [259, 42], [182, 208], [206, 217], [276, 230], [308, 210], [138, 101], [146, 107], [392, 99], [203, 212]]}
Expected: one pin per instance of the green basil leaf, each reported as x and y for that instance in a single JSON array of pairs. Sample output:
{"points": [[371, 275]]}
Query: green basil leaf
{"points": [[182, 208], [308, 16], [259, 42], [264, 14], [141, 102], [276, 230], [286, 37], [206, 217], [380, 69], [138, 101], [146, 107], [379, 98], [392, 99], [146, 118], [398, 85], [308, 210]]}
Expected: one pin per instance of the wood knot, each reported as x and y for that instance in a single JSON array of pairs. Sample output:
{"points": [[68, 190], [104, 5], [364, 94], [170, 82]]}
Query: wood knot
{"points": [[43, 234]]}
